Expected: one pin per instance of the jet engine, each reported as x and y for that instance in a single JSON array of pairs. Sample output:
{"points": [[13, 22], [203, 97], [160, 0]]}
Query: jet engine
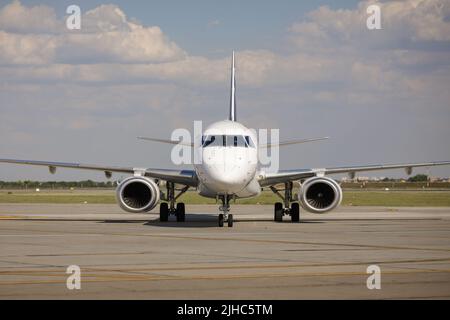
{"points": [[320, 194], [137, 194]]}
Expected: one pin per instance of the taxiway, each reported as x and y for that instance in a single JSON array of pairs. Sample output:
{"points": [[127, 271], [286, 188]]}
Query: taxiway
{"points": [[134, 256]]}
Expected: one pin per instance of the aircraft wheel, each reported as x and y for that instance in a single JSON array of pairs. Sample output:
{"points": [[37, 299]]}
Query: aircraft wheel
{"points": [[278, 212], [164, 212], [221, 220], [295, 212], [180, 212], [230, 220]]}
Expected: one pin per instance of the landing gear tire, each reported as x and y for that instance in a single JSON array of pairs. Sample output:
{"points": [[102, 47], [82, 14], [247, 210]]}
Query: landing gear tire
{"points": [[221, 220], [230, 220], [295, 212], [164, 212], [278, 212], [180, 212]]}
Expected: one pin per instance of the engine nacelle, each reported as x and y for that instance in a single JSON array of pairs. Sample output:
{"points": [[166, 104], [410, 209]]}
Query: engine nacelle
{"points": [[320, 194], [137, 194]]}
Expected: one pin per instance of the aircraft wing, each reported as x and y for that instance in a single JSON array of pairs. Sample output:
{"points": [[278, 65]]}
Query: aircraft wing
{"points": [[186, 177], [290, 142], [299, 174], [190, 144]]}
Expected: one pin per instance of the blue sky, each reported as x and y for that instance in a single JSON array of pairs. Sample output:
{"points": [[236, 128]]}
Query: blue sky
{"points": [[145, 68]]}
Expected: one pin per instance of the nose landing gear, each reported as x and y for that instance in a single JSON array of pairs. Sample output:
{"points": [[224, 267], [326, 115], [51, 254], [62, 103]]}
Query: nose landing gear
{"points": [[225, 208]]}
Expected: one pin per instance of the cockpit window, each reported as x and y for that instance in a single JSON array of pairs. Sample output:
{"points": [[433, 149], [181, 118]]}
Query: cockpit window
{"points": [[212, 141], [249, 142], [235, 141], [227, 141]]}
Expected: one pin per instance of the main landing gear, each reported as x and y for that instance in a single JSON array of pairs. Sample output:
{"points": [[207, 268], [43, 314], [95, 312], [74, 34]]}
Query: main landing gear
{"points": [[287, 207], [225, 208], [171, 207]]}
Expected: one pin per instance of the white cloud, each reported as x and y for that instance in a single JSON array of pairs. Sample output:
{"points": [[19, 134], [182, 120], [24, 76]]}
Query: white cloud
{"points": [[405, 24], [33, 35], [26, 48], [16, 18], [107, 36], [334, 51]]}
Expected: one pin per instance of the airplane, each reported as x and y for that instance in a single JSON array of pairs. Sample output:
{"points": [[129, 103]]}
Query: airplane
{"points": [[229, 171]]}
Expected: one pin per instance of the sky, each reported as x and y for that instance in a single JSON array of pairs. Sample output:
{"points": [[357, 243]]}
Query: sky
{"points": [[145, 68]]}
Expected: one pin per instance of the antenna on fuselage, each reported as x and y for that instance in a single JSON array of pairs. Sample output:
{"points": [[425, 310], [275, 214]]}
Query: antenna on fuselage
{"points": [[232, 115]]}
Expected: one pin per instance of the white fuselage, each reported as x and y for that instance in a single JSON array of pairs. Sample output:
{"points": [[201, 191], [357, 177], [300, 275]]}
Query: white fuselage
{"points": [[229, 154]]}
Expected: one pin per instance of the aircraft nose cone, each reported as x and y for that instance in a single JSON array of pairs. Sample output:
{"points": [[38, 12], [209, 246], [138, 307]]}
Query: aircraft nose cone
{"points": [[226, 180], [229, 179]]}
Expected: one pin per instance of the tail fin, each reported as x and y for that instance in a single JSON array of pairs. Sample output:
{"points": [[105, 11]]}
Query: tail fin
{"points": [[232, 115]]}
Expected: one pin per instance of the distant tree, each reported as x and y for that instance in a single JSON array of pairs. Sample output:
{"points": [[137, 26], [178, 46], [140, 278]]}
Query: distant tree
{"points": [[418, 178], [28, 184]]}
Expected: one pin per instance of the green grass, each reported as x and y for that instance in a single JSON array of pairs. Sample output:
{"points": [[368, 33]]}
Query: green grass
{"points": [[397, 198], [56, 198], [351, 197]]}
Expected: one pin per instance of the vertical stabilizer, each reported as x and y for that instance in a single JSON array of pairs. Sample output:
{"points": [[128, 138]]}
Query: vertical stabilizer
{"points": [[232, 115]]}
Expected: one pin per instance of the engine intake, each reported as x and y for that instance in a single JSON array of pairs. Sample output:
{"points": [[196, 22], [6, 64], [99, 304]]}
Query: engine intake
{"points": [[320, 194], [137, 194]]}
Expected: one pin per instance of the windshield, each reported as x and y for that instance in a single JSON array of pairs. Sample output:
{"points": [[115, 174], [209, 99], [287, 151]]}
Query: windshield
{"points": [[227, 141], [212, 141]]}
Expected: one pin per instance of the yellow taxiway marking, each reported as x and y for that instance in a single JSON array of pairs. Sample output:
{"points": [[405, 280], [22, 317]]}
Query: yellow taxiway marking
{"points": [[56, 270], [117, 278], [238, 239]]}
